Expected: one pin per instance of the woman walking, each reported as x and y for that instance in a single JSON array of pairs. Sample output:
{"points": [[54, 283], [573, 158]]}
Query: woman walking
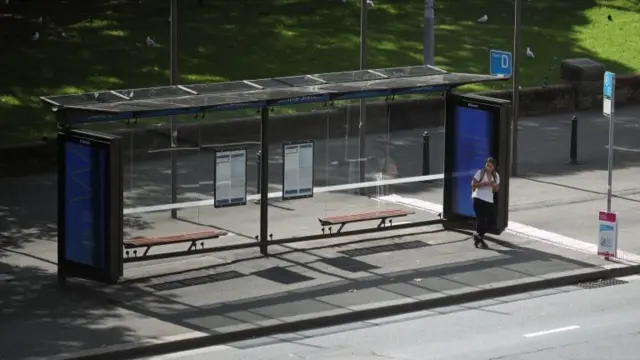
{"points": [[484, 184]]}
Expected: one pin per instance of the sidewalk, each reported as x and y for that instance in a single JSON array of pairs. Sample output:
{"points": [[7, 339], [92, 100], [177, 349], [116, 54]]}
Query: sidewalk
{"points": [[230, 291]]}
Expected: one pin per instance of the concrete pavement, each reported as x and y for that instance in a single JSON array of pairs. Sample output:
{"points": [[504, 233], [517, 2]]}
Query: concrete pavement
{"points": [[570, 323]]}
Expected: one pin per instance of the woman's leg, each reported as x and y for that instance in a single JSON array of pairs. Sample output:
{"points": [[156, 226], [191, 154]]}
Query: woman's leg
{"points": [[477, 208], [484, 221]]}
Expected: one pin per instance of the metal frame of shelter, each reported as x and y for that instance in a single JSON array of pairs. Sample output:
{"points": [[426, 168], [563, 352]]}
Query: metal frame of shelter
{"points": [[126, 104]]}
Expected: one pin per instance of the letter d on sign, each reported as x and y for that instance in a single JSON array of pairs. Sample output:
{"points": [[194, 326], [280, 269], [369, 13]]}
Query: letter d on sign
{"points": [[504, 61]]}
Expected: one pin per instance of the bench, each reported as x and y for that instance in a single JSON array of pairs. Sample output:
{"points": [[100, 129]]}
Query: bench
{"points": [[192, 238], [382, 216]]}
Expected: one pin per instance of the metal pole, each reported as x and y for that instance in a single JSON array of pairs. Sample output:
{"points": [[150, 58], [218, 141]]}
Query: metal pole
{"points": [[264, 181], [362, 136], [429, 32], [174, 81], [426, 153], [610, 158], [516, 87]]}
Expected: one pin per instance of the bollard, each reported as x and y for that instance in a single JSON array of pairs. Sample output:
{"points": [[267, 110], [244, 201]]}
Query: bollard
{"points": [[426, 164], [573, 151], [258, 161]]}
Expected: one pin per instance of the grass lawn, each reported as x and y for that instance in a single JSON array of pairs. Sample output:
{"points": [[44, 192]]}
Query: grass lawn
{"points": [[90, 45]]}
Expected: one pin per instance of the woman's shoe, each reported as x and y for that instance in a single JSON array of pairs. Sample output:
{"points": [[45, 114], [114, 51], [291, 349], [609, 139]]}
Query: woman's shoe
{"points": [[483, 244], [476, 240]]}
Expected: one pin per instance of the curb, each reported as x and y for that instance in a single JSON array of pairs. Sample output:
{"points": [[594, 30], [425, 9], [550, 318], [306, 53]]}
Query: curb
{"points": [[359, 316]]}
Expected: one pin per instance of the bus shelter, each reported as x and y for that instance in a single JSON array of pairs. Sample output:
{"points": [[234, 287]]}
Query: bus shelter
{"points": [[104, 220]]}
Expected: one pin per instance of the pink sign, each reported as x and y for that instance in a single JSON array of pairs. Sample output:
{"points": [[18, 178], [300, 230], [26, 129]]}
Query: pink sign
{"points": [[605, 216]]}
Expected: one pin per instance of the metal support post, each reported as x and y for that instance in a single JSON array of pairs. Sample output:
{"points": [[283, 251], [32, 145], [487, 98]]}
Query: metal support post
{"points": [[573, 149], [426, 161], [264, 181], [429, 32], [612, 124], [259, 180], [516, 87], [174, 81], [362, 133]]}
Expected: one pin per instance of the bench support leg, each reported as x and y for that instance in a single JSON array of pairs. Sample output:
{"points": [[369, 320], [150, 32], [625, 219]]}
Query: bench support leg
{"points": [[340, 228], [146, 251], [382, 223]]}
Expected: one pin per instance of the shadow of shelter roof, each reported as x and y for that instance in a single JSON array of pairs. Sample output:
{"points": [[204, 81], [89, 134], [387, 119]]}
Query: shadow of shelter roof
{"points": [[181, 99]]}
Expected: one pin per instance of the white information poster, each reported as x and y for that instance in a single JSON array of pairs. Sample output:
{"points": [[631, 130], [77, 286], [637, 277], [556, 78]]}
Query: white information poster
{"points": [[298, 171], [231, 178], [607, 234]]}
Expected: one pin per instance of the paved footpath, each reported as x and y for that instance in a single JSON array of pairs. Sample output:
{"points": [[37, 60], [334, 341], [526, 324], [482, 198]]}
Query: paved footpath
{"points": [[174, 299]]}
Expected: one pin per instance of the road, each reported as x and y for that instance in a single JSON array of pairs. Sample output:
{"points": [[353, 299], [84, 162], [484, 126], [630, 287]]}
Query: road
{"points": [[571, 323]]}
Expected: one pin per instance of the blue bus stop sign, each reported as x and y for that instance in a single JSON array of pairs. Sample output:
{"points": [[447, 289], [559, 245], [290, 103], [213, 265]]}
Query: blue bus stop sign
{"points": [[608, 89], [500, 63]]}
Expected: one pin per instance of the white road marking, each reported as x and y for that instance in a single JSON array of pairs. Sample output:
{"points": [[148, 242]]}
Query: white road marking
{"points": [[190, 353], [552, 331], [521, 230]]}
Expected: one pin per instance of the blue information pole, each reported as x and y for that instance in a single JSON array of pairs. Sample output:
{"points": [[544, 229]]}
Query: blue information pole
{"points": [[500, 63]]}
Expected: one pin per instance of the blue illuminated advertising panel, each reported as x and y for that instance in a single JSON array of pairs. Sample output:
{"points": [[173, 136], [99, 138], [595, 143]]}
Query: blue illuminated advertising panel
{"points": [[476, 128], [85, 204], [473, 145], [90, 223]]}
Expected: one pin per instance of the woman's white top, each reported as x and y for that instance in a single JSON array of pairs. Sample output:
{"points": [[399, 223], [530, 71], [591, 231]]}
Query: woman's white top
{"points": [[484, 193]]}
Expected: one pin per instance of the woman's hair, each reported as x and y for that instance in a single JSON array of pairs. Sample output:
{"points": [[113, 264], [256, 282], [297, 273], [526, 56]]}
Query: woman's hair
{"points": [[491, 161]]}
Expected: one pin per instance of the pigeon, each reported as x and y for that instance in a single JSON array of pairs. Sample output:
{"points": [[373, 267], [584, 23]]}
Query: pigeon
{"points": [[150, 41], [530, 53], [609, 18], [370, 3], [483, 19], [35, 36]]}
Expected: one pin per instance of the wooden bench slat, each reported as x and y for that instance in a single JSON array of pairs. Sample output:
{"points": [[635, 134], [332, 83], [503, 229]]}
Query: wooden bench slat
{"points": [[365, 216], [160, 240]]}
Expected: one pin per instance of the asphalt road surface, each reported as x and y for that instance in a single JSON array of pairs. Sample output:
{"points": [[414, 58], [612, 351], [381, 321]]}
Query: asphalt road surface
{"points": [[561, 324]]}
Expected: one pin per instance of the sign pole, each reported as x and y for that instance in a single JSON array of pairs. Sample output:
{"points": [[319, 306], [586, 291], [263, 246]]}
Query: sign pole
{"points": [[428, 36], [608, 100], [608, 221], [610, 161], [515, 91]]}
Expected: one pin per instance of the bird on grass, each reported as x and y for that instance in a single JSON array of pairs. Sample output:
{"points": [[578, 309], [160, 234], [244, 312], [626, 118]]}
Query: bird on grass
{"points": [[609, 18], [483, 19], [530, 53], [150, 41]]}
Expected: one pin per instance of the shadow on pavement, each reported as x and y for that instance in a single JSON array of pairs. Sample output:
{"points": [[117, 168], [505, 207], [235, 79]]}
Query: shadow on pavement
{"points": [[39, 319], [285, 300]]}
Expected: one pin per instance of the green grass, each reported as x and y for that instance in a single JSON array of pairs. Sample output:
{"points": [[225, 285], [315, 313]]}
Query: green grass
{"points": [[243, 39]]}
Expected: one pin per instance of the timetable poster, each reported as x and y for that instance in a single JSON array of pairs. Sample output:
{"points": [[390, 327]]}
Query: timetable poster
{"points": [[231, 178], [298, 171]]}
